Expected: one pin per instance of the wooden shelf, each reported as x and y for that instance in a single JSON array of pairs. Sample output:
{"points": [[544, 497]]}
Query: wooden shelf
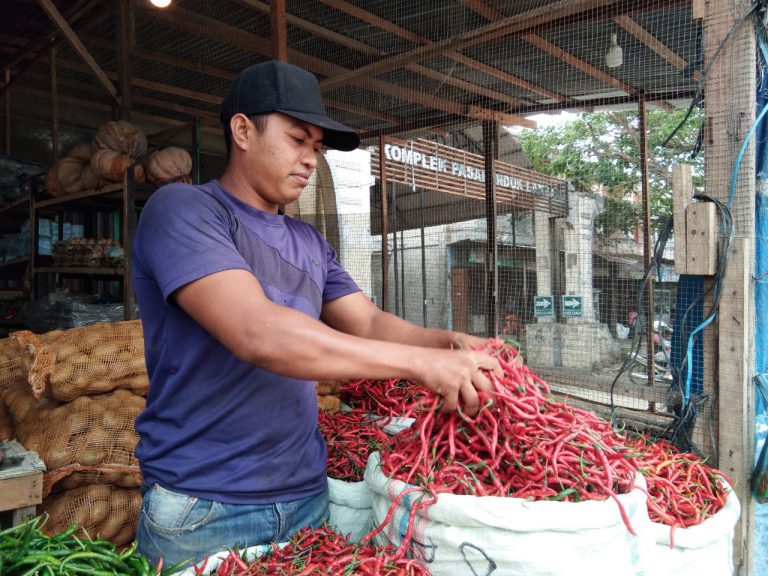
{"points": [[13, 215], [22, 202], [112, 192], [80, 270], [116, 206], [15, 262]]}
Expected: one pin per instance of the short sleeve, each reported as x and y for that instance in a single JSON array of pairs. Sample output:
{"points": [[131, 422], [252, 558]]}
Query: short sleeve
{"points": [[184, 234], [338, 282]]}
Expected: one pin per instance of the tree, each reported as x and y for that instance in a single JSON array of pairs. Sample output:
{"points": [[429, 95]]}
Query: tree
{"points": [[600, 150]]}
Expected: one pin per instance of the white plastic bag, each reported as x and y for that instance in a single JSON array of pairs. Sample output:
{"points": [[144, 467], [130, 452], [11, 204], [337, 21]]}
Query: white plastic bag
{"points": [[479, 536], [622, 331], [703, 549], [350, 508]]}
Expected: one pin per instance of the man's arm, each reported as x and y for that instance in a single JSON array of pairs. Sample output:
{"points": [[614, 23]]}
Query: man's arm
{"points": [[356, 314], [232, 306]]}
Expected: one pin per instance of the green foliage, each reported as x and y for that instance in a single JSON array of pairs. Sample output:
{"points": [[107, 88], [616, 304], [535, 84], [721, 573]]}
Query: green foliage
{"points": [[600, 151]]}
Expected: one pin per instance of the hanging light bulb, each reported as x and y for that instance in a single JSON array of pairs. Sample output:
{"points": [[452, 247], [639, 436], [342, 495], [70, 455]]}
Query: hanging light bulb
{"points": [[161, 3], [615, 55]]}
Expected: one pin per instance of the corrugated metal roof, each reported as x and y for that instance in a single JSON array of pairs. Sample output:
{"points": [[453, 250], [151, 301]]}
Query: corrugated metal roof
{"points": [[387, 67]]}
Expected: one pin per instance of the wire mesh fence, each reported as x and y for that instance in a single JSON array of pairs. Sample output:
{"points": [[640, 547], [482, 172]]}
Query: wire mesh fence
{"points": [[624, 278]]}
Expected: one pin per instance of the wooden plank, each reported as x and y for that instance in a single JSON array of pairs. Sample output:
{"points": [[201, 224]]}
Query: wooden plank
{"points": [[483, 9], [701, 238], [653, 43], [505, 27], [729, 112], [55, 140], [371, 18], [736, 399], [501, 117], [316, 30], [39, 46], [7, 113], [229, 35], [90, 104], [682, 193], [211, 29], [77, 46], [21, 491], [466, 86], [125, 42], [279, 30], [506, 77], [568, 58], [698, 9]]}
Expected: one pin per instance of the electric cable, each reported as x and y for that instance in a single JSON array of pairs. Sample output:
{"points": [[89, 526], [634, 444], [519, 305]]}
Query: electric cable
{"points": [[700, 88]]}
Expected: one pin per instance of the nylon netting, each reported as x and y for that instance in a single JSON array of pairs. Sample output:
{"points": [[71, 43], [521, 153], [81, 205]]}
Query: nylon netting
{"points": [[576, 253]]}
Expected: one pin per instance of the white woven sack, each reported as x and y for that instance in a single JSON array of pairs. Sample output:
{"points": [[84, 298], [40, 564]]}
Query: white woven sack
{"points": [[397, 424], [703, 549], [479, 536], [350, 508]]}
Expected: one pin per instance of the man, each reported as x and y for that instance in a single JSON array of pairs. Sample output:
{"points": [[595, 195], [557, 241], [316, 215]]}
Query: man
{"points": [[243, 308]]}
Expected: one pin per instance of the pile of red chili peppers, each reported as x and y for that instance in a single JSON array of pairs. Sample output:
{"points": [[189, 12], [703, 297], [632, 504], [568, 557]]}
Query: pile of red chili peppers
{"points": [[524, 445], [683, 490], [350, 437], [320, 551], [384, 398]]}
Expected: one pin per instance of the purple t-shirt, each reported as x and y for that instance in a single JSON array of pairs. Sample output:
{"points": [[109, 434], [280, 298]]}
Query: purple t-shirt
{"points": [[214, 426]]}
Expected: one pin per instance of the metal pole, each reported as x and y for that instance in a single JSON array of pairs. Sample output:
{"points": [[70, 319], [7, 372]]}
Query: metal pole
{"points": [[490, 129], [395, 259], [647, 246], [423, 261], [384, 225]]}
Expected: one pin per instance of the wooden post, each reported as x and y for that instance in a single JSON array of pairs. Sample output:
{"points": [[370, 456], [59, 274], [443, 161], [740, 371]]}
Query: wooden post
{"points": [[126, 40], [682, 194], [127, 233], [279, 39], [729, 113], [7, 113], [279, 33], [55, 143], [736, 444]]}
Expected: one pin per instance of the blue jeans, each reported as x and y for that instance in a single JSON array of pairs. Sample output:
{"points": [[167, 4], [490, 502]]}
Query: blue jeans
{"points": [[181, 528]]}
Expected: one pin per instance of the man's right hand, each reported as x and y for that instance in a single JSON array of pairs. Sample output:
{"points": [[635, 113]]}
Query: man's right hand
{"points": [[457, 375]]}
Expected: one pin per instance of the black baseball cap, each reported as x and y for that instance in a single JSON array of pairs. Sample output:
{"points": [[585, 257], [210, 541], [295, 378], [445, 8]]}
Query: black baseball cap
{"points": [[275, 86]]}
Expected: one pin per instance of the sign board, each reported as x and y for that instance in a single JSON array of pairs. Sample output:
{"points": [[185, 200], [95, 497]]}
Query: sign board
{"points": [[432, 166], [573, 307], [543, 306]]}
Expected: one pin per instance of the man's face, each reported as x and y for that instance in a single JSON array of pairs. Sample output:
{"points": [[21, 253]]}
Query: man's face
{"points": [[281, 159]]}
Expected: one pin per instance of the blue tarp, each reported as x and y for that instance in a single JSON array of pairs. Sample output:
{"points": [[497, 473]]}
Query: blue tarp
{"points": [[760, 561], [761, 242]]}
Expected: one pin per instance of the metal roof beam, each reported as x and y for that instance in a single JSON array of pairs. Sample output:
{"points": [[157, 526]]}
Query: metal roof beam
{"points": [[203, 26], [78, 47], [500, 28], [649, 40], [554, 50], [364, 48]]}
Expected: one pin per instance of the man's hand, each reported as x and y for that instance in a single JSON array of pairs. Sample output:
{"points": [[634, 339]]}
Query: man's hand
{"points": [[467, 341], [459, 374]]}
